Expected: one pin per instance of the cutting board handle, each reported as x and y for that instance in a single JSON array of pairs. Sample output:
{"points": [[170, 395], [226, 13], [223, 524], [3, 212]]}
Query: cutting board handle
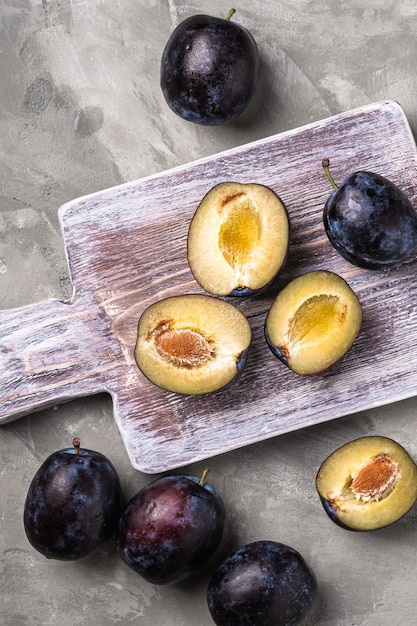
{"points": [[50, 352]]}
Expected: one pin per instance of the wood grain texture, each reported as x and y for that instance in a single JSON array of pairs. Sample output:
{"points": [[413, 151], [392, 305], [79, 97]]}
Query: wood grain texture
{"points": [[126, 248]]}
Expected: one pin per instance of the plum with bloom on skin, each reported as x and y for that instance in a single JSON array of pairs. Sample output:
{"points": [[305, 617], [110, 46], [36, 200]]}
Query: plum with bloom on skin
{"points": [[209, 69], [264, 583], [370, 221], [73, 504]]}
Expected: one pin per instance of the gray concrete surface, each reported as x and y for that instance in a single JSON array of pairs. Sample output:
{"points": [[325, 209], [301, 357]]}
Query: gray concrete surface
{"points": [[81, 110]]}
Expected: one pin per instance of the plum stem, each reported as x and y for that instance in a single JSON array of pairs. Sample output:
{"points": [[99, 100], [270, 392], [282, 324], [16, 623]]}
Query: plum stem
{"points": [[204, 476], [326, 166], [76, 443], [230, 14]]}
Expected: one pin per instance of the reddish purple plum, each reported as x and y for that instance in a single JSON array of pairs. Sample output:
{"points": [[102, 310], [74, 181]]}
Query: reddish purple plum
{"points": [[170, 528]]}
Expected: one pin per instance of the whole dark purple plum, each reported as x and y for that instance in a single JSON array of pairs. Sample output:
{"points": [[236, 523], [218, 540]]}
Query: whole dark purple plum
{"points": [[370, 221], [264, 583], [170, 528], [73, 504], [209, 69]]}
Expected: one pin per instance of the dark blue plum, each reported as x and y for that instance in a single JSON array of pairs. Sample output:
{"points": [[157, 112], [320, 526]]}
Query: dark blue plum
{"points": [[170, 528], [370, 221], [73, 504], [264, 583], [209, 70]]}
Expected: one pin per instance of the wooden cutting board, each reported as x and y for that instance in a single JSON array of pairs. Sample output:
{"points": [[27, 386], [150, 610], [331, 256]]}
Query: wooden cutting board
{"points": [[126, 248]]}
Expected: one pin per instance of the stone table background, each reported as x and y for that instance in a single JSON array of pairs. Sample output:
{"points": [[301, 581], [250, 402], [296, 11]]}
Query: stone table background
{"points": [[81, 110]]}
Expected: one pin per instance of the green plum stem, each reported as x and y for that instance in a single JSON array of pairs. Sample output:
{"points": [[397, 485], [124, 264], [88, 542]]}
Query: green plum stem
{"points": [[230, 14], [204, 476], [76, 443], [326, 166]]}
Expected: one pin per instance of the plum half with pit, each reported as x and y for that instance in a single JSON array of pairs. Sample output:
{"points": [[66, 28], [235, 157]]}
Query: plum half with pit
{"points": [[370, 221], [209, 69], [313, 321], [192, 344], [367, 483], [238, 239], [264, 583], [171, 528], [73, 503]]}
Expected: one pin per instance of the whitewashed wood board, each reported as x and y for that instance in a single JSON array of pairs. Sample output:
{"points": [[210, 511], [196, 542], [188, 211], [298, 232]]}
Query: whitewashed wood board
{"points": [[126, 248]]}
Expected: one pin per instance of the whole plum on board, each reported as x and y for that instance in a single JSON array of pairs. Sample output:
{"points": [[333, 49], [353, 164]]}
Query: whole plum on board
{"points": [[171, 527], [264, 583], [367, 483], [73, 504], [370, 221], [209, 69], [238, 239]]}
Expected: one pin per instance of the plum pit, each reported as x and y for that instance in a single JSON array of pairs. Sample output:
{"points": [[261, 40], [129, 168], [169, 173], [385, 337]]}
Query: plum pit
{"points": [[182, 347], [375, 480]]}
